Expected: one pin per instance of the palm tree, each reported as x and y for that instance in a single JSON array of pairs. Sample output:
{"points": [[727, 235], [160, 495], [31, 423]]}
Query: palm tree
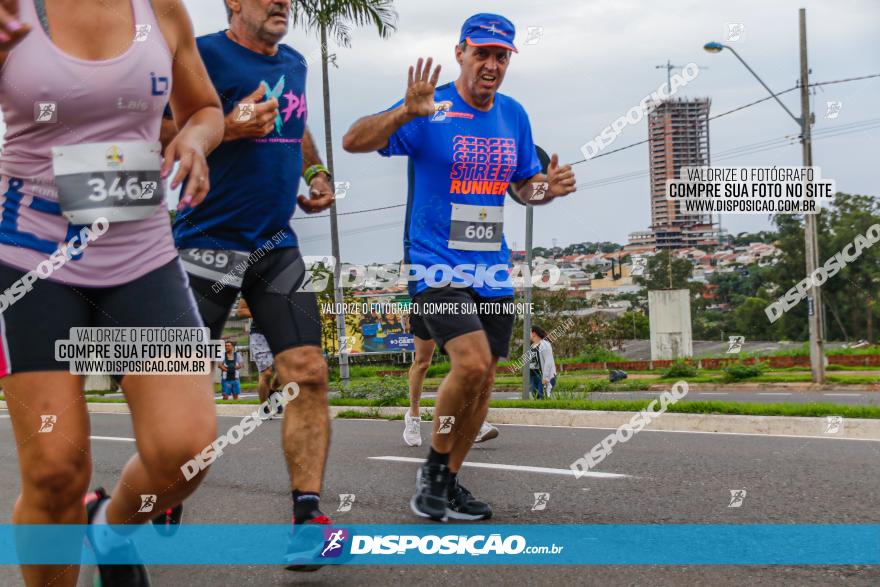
{"points": [[336, 18]]}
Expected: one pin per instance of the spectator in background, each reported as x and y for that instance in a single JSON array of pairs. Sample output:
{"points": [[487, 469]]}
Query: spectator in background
{"points": [[542, 368], [231, 363], [261, 354]]}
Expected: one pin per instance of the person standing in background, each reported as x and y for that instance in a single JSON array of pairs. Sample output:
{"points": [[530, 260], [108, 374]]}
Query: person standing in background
{"points": [[542, 368], [230, 384]]}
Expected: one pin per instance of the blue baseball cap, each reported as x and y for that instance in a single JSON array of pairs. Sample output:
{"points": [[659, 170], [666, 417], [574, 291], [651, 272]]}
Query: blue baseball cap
{"points": [[485, 29]]}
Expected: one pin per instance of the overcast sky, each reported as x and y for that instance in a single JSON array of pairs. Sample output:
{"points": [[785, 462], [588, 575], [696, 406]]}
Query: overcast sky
{"points": [[595, 61]]}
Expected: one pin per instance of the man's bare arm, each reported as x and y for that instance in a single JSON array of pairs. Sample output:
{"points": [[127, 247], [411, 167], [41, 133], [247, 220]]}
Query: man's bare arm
{"points": [[372, 133], [310, 152]]}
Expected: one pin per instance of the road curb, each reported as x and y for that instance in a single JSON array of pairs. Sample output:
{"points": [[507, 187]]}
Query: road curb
{"points": [[849, 428]]}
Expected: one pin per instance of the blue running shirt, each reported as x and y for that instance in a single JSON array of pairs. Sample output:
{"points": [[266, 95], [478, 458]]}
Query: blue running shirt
{"points": [[460, 162], [254, 182]]}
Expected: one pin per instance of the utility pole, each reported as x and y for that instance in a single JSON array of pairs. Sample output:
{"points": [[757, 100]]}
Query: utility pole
{"points": [[815, 309], [527, 316], [814, 294]]}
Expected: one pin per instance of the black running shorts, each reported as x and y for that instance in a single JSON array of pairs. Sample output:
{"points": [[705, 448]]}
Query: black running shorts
{"points": [[31, 324], [418, 328], [286, 317], [449, 312]]}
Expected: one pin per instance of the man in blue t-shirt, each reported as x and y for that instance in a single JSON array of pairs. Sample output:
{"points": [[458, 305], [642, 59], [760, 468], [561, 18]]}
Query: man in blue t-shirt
{"points": [[239, 238], [466, 143]]}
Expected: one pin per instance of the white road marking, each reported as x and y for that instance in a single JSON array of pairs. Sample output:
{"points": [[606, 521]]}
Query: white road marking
{"points": [[711, 393], [844, 394], [116, 438], [522, 468], [772, 393]]}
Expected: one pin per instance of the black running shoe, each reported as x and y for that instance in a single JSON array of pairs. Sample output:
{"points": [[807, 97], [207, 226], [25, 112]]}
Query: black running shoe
{"points": [[111, 575], [432, 481], [167, 522], [463, 506]]}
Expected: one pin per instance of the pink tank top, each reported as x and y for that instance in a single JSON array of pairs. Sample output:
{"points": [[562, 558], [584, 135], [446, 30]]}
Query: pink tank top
{"points": [[114, 100]]}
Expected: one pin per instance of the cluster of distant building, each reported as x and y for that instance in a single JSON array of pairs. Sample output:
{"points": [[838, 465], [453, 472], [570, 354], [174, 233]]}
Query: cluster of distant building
{"points": [[595, 274]]}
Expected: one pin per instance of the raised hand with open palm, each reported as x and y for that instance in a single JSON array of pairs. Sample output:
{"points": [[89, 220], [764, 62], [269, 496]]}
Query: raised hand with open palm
{"points": [[420, 86]]}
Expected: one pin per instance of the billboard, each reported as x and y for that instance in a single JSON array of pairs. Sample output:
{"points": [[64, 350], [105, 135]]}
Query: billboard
{"points": [[374, 324]]}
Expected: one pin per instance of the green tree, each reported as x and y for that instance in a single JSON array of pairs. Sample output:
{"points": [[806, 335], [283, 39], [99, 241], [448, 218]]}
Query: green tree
{"points": [[665, 272], [633, 325], [608, 247], [749, 319], [850, 297], [762, 236]]}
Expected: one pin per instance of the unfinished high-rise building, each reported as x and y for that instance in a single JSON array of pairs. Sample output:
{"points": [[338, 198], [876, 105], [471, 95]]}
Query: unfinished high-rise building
{"points": [[678, 136]]}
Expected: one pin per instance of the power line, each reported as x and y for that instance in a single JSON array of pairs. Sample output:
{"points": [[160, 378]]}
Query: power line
{"points": [[737, 109], [634, 175], [848, 79], [636, 144], [641, 173], [740, 151], [749, 149], [353, 212]]}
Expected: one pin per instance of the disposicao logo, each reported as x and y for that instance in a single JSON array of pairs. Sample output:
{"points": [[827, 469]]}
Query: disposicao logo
{"points": [[334, 542]]}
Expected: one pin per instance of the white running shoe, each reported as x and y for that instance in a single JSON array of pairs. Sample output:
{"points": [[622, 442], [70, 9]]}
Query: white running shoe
{"points": [[487, 432], [412, 435]]}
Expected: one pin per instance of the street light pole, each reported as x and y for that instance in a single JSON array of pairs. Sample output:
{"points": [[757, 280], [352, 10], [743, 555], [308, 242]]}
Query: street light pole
{"points": [[811, 240]]}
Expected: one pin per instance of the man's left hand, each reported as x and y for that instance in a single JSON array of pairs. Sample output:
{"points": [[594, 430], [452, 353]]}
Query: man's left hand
{"points": [[560, 179], [321, 195]]}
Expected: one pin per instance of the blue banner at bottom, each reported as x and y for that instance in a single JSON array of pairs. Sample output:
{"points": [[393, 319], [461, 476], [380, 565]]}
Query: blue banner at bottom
{"points": [[692, 544]]}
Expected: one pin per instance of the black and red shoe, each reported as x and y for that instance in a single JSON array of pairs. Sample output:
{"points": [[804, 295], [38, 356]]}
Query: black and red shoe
{"points": [[131, 574], [167, 522], [306, 544]]}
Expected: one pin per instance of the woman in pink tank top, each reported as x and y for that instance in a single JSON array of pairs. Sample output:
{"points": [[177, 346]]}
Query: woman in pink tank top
{"points": [[85, 242]]}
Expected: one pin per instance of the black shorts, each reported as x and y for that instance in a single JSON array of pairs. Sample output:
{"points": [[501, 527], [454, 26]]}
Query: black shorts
{"points": [[286, 317], [417, 327], [30, 326], [464, 311]]}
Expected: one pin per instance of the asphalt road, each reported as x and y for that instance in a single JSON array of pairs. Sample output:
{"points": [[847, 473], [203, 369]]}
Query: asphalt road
{"points": [[671, 478], [841, 396]]}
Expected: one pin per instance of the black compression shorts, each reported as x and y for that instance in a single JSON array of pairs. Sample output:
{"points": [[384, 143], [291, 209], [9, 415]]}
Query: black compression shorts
{"points": [[30, 326], [286, 317]]}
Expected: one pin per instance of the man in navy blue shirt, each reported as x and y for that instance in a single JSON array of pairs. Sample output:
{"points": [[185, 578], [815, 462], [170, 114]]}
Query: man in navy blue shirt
{"points": [[239, 238], [466, 143]]}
